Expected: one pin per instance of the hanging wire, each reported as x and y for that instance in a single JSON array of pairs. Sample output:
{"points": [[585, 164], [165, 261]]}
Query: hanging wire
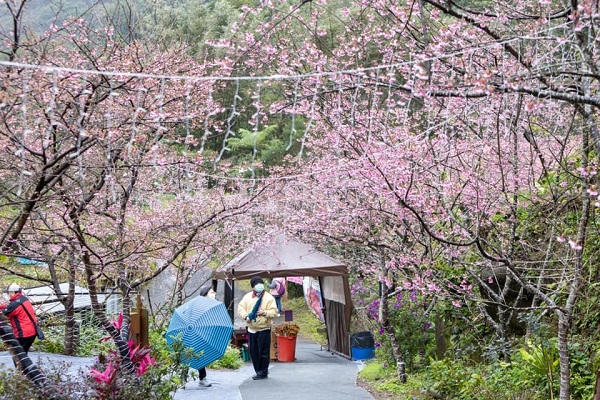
{"points": [[232, 116], [388, 108], [354, 97], [310, 120], [109, 127], [134, 119], [293, 122], [82, 104], [375, 89], [25, 133], [51, 111], [160, 129], [340, 101], [210, 104], [231, 119], [545, 32], [256, 117], [188, 134]]}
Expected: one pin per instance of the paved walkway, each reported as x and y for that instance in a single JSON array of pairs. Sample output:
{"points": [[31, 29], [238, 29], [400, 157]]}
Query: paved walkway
{"points": [[316, 374]]}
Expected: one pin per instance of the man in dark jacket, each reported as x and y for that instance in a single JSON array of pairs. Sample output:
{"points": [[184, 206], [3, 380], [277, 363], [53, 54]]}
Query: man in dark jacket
{"points": [[21, 315]]}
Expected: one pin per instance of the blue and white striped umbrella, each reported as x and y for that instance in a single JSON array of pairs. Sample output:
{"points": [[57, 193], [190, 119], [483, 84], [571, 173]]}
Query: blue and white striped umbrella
{"points": [[204, 326]]}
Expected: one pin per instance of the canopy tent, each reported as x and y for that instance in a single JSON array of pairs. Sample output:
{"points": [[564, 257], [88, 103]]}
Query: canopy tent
{"points": [[289, 257]]}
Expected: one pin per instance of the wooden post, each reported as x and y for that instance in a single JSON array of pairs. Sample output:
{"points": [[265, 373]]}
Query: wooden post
{"points": [[138, 330]]}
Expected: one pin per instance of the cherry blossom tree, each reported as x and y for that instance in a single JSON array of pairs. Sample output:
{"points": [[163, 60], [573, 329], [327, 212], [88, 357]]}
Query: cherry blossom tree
{"points": [[472, 124], [102, 175]]}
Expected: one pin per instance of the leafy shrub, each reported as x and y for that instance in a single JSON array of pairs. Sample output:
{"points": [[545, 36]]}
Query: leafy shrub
{"points": [[13, 384], [406, 313], [583, 371], [384, 379], [232, 359], [157, 382], [90, 343], [537, 364], [456, 379]]}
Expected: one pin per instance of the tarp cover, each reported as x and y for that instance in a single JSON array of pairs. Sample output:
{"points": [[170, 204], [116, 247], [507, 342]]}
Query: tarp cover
{"points": [[284, 257], [290, 258]]}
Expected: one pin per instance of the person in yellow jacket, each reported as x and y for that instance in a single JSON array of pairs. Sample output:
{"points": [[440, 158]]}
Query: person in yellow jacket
{"points": [[258, 308]]}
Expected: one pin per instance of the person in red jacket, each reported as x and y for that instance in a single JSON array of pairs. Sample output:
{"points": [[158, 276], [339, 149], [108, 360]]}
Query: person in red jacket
{"points": [[21, 315]]}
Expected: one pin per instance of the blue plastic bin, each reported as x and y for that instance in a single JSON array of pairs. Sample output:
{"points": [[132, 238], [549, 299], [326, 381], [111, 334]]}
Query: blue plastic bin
{"points": [[363, 354]]}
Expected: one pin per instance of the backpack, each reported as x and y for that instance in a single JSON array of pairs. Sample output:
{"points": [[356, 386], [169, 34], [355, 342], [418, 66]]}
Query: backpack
{"points": [[278, 290]]}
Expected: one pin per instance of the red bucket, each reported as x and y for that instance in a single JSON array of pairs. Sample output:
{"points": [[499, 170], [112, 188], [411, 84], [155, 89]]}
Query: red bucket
{"points": [[286, 348]]}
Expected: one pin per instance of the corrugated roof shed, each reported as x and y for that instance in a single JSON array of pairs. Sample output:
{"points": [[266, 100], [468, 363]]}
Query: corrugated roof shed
{"points": [[45, 301]]}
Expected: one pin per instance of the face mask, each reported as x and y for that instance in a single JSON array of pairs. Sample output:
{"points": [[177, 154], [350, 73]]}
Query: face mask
{"points": [[259, 288]]}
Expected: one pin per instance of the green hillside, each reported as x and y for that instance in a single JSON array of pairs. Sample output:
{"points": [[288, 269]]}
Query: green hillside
{"points": [[38, 14]]}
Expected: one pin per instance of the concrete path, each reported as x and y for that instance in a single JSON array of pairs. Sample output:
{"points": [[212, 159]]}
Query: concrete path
{"points": [[316, 374]]}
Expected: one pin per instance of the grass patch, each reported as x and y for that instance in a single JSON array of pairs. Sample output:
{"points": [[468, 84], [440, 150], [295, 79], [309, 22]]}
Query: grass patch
{"points": [[310, 326], [374, 371], [385, 382]]}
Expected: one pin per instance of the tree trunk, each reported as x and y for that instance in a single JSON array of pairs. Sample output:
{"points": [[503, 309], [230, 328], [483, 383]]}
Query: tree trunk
{"points": [[24, 363], [564, 359], [565, 316], [440, 340], [597, 389], [121, 344], [384, 321], [70, 332]]}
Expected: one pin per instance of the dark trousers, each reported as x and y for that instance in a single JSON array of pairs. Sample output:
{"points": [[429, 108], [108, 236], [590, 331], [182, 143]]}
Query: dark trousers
{"points": [[278, 302], [26, 343], [259, 345], [202, 373]]}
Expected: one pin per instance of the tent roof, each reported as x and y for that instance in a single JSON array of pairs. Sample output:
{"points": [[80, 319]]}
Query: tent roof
{"points": [[284, 257]]}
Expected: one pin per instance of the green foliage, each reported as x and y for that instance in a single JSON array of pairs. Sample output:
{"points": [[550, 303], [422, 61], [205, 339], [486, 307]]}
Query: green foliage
{"points": [[250, 147], [532, 374], [13, 382], [588, 312], [374, 371], [232, 359], [39, 13], [196, 23], [248, 140], [457, 380], [412, 326], [408, 317], [584, 363], [53, 343], [538, 364], [294, 291], [384, 379], [91, 339]]}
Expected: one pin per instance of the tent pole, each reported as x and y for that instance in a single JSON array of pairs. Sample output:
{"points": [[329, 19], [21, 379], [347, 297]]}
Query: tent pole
{"points": [[228, 297], [324, 311]]}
